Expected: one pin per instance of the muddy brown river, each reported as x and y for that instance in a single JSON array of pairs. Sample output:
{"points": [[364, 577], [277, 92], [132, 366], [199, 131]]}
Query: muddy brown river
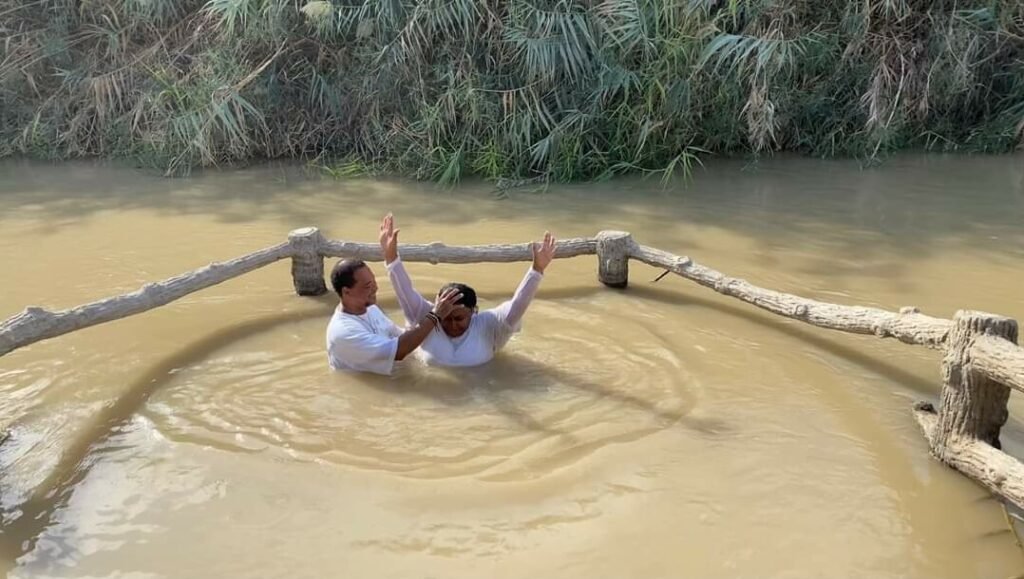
{"points": [[661, 431]]}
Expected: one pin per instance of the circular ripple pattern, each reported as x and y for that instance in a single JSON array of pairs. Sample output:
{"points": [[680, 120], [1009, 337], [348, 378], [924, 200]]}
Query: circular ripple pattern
{"points": [[573, 382]]}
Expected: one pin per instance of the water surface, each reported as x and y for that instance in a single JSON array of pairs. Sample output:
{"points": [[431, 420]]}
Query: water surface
{"points": [[657, 432]]}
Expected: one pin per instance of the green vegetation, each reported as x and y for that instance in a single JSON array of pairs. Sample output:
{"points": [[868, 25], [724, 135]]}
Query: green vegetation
{"points": [[523, 89]]}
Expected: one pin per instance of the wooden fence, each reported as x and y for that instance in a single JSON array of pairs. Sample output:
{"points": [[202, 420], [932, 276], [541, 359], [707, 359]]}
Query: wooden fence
{"points": [[982, 361]]}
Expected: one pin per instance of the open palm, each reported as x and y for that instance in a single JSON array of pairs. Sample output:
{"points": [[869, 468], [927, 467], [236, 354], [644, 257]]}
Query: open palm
{"points": [[389, 238], [543, 252]]}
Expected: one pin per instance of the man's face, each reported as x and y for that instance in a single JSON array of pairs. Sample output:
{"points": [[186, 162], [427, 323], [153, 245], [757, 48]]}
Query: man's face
{"points": [[363, 292], [457, 322]]}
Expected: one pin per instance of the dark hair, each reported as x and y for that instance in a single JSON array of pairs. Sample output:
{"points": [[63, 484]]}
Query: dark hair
{"points": [[468, 298], [344, 273]]}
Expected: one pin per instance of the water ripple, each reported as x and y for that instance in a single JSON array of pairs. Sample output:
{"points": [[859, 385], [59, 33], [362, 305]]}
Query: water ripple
{"points": [[557, 394]]}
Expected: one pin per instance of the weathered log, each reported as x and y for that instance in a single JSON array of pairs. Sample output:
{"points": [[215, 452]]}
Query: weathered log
{"points": [[35, 323], [992, 468], [613, 258], [908, 326], [440, 253], [998, 359], [307, 263], [972, 405]]}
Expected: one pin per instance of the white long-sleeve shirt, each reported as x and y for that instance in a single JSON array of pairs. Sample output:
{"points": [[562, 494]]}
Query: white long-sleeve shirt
{"points": [[488, 330]]}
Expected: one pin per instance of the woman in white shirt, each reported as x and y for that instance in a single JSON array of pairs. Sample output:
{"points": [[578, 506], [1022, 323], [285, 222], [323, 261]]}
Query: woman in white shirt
{"points": [[467, 337]]}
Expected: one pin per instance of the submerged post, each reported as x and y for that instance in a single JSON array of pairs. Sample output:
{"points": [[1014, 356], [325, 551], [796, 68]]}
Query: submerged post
{"points": [[613, 258], [307, 263], [971, 405]]}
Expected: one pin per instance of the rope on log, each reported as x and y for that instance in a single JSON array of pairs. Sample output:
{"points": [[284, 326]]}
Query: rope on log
{"points": [[35, 323], [908, 326], [440, 253]]}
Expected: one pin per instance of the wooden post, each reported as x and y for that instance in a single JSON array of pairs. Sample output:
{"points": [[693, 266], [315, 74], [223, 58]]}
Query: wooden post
{"points": [[613, 258], [307, 263], [972, 405]]}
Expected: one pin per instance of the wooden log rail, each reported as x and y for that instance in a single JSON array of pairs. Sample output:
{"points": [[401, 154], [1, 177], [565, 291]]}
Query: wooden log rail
{"points": [[982, 360], [999, 360], [36, 324], [306, 247], [908, 325], [436, 253]]}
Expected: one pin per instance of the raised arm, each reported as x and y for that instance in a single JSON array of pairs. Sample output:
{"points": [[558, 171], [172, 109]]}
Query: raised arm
{"points": [[543, 253], [515, 308], [414, 306]]}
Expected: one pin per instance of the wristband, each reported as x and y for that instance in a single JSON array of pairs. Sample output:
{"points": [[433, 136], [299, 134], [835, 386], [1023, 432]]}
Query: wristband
{"points": [[434, 318]]}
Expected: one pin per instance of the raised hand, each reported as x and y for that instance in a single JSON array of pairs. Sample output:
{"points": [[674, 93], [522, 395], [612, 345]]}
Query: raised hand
{"points": [[389, 238], [543, 252], [445, 302]]}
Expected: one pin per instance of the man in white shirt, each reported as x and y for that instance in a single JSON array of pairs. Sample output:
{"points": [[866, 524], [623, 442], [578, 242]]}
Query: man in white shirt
{"points": [[360, 337]]}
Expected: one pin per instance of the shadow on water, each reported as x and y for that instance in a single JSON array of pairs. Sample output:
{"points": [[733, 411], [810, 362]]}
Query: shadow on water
{"points": [[908, 203], [796, 330], [23, 524], [894, 467], [462, 386], [67, 193]]}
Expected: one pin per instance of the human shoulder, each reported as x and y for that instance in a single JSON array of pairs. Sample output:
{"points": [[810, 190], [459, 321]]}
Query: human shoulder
{"points": [[489, 314], [340, 323], [488, 318], [344, 324]]}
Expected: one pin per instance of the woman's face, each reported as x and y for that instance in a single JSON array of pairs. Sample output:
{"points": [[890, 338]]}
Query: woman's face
{"points": [[458, 321]]}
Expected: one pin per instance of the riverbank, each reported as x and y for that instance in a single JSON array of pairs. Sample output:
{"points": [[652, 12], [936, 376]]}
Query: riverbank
{"points": [[560, 91]]}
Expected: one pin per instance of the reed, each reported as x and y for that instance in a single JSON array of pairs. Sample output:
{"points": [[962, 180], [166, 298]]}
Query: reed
{"points": [[539, 89]]}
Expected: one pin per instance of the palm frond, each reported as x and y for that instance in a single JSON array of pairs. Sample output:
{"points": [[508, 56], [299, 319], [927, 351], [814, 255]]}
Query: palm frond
{"points": [[234, 15], [626, 25], [524, 89]]}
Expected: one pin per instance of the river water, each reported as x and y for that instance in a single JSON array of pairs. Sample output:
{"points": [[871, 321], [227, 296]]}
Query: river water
{"points": [[660, 431]]}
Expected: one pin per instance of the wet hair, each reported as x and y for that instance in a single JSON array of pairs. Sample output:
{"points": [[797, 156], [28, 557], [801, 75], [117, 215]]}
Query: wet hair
{"points": [[468, 298], [344, 273]]}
